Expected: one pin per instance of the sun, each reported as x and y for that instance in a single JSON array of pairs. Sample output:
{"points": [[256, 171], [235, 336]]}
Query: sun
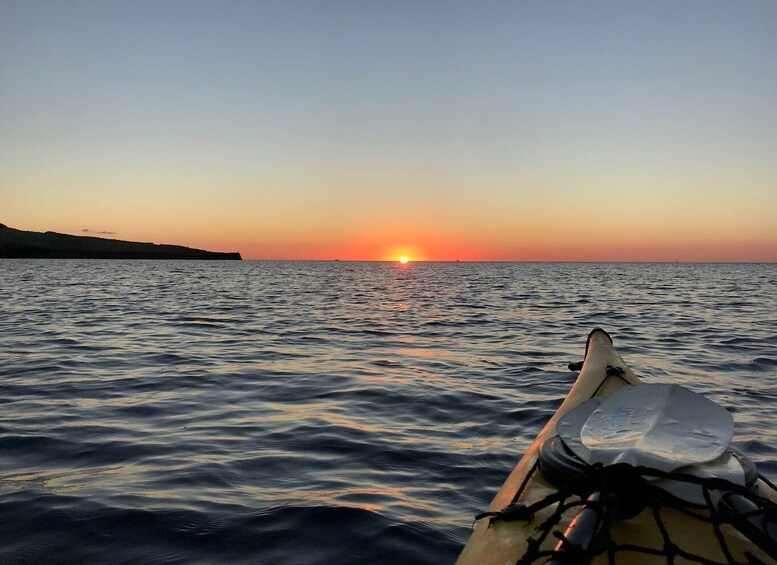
{"points": [[403, 260]]}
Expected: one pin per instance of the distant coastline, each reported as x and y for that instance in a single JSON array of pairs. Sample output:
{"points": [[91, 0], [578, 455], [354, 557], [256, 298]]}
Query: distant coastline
{"points": [[20, 244]]}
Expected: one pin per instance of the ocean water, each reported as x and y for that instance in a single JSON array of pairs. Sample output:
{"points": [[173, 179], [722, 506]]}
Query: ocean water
{"points": [[316, 412]]}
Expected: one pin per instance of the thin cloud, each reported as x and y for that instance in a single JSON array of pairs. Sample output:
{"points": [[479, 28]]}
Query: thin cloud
{"points": [[96, 232]]}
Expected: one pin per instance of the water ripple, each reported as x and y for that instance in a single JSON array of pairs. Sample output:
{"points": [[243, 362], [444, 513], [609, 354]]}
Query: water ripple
{"points": [[272, 412]]}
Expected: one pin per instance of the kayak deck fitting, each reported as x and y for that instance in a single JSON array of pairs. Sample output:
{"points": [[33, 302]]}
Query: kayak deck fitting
{"points": [[626, 472]]}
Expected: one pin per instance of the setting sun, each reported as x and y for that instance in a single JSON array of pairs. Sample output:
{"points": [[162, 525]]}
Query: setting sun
{"points": [[403, 260]]}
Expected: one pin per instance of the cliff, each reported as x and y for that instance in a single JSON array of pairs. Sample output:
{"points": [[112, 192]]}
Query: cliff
{"points": [[49, 245]]}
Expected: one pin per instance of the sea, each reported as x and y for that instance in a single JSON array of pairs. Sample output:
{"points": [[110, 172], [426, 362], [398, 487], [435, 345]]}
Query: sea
{"points": [[327, 412]]}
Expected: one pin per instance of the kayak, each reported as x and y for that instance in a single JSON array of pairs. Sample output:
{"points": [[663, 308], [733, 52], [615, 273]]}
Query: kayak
{"points": [[629, 472]]}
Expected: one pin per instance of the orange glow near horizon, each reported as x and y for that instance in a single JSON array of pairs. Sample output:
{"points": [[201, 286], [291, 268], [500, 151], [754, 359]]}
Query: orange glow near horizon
{"points": [[417, 240], [526, 242]]}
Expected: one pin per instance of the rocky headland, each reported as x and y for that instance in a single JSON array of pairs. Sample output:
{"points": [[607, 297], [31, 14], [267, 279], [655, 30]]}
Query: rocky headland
{"points": [[21, 244]]}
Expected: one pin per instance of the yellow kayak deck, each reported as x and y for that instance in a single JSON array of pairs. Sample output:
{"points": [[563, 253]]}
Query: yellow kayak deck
{"points": [[505, 542]]}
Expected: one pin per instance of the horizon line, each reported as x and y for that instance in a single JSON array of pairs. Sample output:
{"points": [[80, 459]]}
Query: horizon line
{"points": [[670, 262]]}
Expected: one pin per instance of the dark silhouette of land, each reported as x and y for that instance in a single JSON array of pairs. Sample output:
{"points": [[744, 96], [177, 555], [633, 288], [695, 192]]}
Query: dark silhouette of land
{"points": [[19, 244]]}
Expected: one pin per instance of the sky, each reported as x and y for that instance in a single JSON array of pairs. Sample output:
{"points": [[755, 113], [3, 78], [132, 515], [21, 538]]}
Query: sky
{"points": [[369, 130]]}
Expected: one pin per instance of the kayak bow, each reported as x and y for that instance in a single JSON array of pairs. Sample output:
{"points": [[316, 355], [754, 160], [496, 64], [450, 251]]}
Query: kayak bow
{"points": [[690, 471]]}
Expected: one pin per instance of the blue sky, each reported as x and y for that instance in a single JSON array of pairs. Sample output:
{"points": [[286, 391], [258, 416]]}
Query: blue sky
{"points": [[265, 123]]}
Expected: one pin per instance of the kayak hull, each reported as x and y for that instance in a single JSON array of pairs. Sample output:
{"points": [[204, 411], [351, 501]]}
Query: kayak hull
{"points": [[505, 542]]}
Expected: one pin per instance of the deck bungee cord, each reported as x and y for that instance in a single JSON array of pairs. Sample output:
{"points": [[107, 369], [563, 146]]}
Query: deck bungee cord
{"points": [[627, 491], [628, 472]]}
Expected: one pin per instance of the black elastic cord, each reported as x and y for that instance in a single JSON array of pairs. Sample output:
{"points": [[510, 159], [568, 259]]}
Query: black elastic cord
{"points": [[631, 483]]}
